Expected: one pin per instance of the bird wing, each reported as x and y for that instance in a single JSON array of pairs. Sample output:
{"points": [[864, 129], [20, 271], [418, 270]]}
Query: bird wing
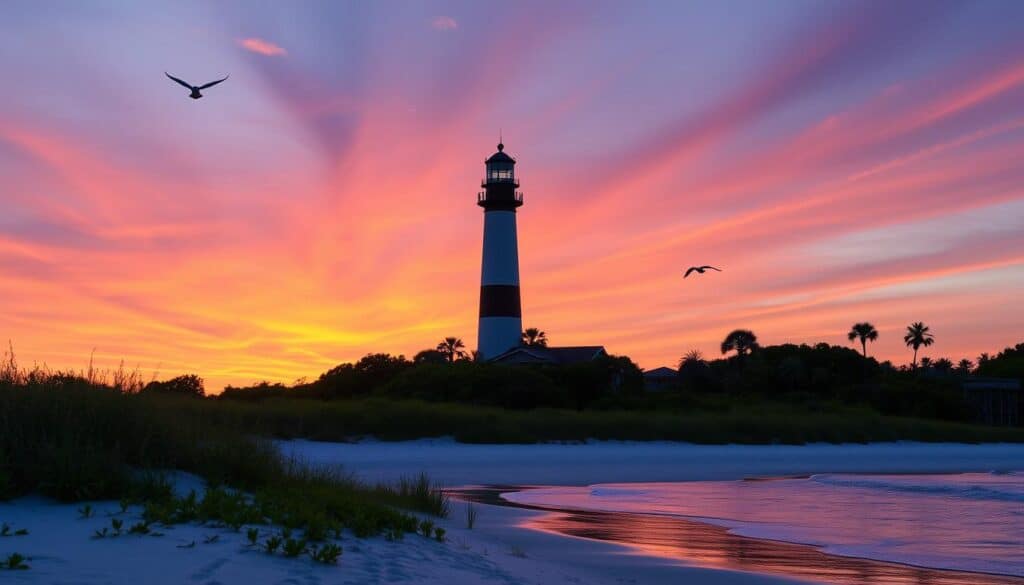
{"points": [[689, 270], [711, 267], [185, 83], [213, 83]]}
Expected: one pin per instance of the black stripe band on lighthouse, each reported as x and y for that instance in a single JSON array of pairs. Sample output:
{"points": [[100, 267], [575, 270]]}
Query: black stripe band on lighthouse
{"points": [[501, 316]]}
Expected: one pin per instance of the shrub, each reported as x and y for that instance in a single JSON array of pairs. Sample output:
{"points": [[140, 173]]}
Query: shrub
{"points": [[189, 385]]}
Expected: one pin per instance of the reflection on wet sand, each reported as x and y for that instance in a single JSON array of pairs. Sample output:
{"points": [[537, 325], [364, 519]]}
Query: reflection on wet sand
{"points": [[707, 545], [713, 546]]}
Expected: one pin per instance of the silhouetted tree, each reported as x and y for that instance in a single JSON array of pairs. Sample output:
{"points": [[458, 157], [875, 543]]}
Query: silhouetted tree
{"points": [[429, 356], [535, 337], [1008, 363], [694, 356], [189, 385], [965, 366], [917, 336], [694, 371], [452, 348], [926, 362], [742, 341], [865, 332], [944, 365], [374, 369]]}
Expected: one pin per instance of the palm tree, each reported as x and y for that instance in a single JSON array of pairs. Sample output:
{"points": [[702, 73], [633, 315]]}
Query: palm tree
{"points": [[865, 332], [694, 356], [535, 337], [918, 335], [742, 341], [452, 348], [965, 366], [944, 365]]}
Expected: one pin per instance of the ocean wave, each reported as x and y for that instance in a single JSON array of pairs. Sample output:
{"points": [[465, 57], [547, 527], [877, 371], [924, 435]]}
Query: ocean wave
{"points": [[971, 491], [610, 492]]}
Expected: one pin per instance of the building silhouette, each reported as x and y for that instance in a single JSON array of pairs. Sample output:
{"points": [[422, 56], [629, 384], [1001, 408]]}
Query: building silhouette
{"points": [[501, 318], [499, 335]]}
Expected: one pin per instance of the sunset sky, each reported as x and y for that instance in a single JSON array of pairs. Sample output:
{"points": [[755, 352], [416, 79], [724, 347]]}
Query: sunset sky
{"points": [[841, 161]]}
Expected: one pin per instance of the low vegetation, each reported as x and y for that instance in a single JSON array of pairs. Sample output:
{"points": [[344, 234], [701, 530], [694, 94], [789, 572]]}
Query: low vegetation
{"points": [[14, 562], [755, 394], [89, 435], [73, 438]]}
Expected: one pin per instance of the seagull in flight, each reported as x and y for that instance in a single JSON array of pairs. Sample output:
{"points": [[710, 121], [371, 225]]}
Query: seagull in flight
{"points": [[699, 270], [195, 88]]}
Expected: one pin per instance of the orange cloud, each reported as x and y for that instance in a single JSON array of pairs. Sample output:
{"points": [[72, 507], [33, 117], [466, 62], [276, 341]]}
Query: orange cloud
{"points": [[317, 217], [257, 45]]}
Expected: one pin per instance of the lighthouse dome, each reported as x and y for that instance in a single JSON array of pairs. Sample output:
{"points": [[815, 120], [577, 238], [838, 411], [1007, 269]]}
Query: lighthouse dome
{"points": [[500, 156]]}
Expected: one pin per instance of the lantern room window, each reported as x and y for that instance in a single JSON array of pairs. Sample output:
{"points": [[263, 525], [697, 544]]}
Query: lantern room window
{"points": [[499, 175]]}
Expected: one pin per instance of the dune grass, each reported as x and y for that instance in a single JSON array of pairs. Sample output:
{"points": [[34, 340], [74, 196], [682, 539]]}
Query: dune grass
{"points": [[750, 423], [71, 439]]}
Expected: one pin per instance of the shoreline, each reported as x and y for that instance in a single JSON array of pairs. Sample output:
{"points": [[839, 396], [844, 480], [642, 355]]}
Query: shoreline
{"points": [[510, 544], [709, 546]]}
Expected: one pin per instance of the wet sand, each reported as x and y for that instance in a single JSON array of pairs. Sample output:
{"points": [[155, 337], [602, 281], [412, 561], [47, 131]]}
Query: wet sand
{"points": [[706, 545]]}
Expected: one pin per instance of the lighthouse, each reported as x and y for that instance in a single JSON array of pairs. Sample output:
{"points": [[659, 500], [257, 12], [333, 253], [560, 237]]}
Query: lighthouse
{"points": [[501, 316]]}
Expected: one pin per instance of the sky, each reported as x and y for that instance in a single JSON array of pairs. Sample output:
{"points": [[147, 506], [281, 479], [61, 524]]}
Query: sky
{"points": [[841, 161]]}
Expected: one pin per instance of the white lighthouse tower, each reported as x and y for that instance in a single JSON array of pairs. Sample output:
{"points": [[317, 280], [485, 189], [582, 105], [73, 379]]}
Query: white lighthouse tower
{"points": [[501, 316]]}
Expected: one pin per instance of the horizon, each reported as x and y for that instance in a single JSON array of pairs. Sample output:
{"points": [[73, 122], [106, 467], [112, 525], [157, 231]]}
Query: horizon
{"points": [[841, 162]]}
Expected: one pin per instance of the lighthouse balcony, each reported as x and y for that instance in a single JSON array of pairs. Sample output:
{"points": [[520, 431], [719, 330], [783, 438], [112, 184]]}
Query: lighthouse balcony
{"points": [[500, 181], [483, 199]]}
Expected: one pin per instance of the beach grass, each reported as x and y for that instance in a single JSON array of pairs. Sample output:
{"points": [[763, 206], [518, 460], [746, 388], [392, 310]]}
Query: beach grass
{"points": [[745, 422], [74, 440]]}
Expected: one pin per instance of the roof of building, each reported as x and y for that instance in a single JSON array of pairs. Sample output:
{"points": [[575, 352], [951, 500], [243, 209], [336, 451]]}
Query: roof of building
{"points": [[551, 355], [662, 372], [500, 156]]}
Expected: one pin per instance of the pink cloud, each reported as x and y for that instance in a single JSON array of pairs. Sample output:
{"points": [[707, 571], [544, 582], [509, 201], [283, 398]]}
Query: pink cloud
{"points": [[258, 45], [444, 23]]}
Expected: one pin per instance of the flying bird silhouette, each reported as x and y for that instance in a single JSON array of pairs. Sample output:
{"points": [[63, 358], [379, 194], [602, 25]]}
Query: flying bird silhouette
{"points": [[699, 270], [195, 88]]}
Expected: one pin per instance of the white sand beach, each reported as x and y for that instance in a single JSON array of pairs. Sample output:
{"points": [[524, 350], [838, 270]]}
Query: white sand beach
{"points": [[498, 550]]}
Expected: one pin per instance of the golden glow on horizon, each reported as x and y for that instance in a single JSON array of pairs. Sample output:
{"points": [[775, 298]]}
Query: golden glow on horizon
{"points": [[310, 221]]}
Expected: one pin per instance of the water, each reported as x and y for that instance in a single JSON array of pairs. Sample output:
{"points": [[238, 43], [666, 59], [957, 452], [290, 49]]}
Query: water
{"points": [[967, 522]]}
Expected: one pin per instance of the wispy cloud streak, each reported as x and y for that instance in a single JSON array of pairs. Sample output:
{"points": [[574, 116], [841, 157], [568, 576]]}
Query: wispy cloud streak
{"points": [[842, 165]]}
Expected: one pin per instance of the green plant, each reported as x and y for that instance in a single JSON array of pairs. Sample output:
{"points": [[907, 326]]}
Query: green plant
{"points": [[426, 528], [439, 534], [101, 533], [327, 553], [85, 511], [271, 545], [428, 497], [6, 530], [253, 535], [116, 524], [139, 528], [15, 562], [293, 547]]}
